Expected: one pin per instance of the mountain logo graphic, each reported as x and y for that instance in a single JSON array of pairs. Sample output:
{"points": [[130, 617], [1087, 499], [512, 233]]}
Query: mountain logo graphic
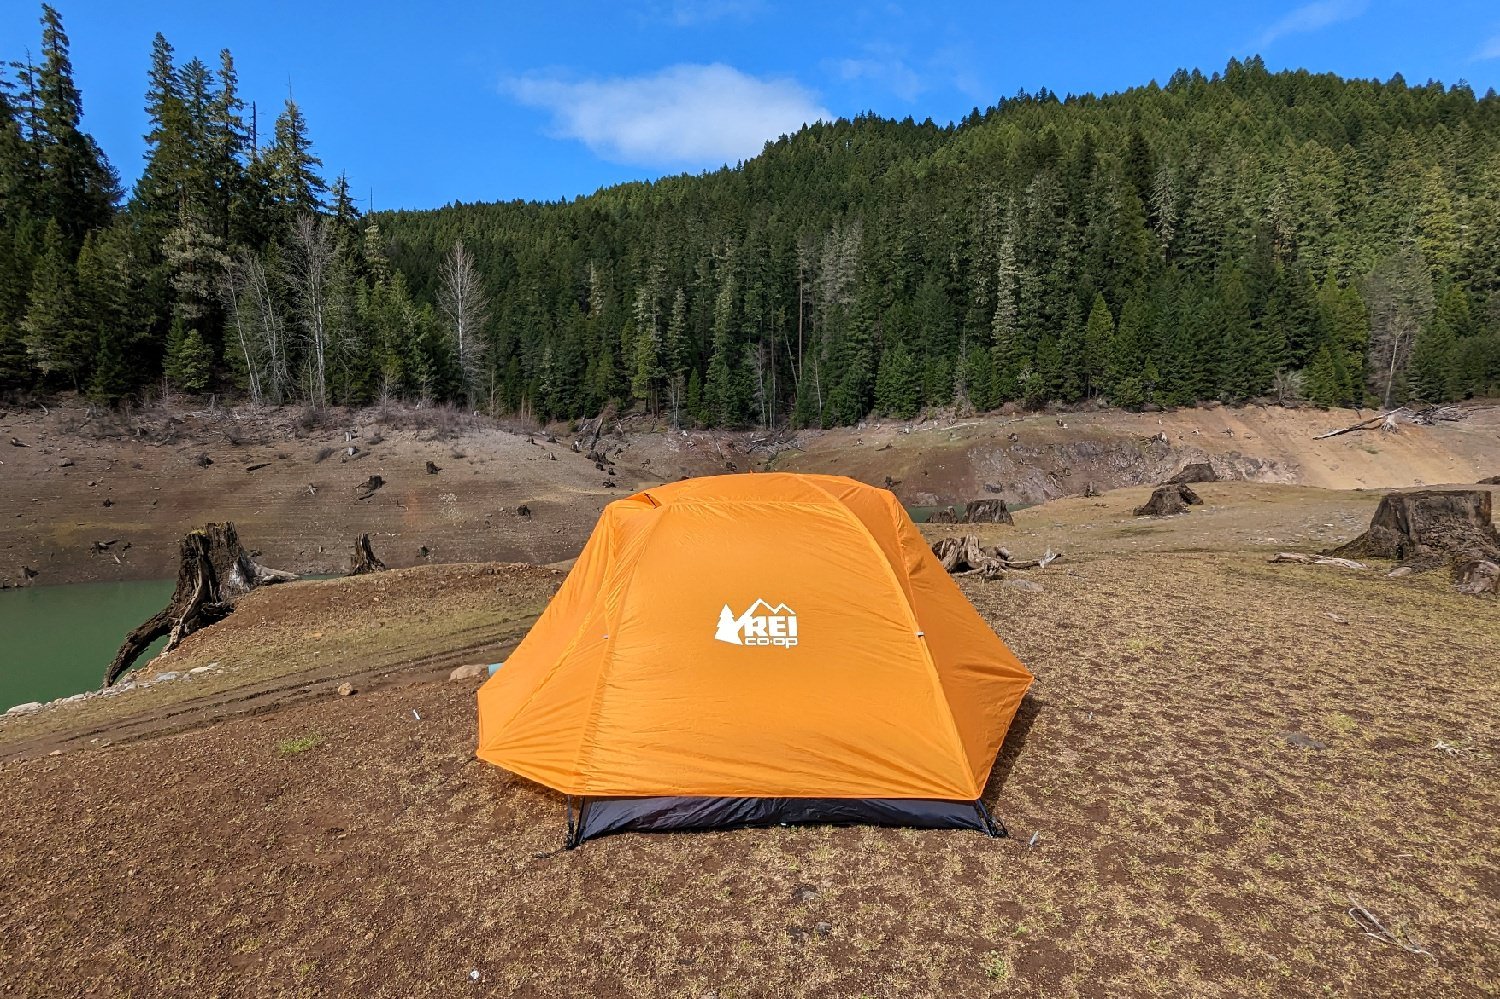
{"points": [[761, 624]]}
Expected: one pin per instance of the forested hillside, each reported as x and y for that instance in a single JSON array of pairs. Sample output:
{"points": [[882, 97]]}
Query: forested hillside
{"points": [[1245, 235], [1253, 234]]}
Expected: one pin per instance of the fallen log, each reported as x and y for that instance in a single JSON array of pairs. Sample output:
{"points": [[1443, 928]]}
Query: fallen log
{"points": [[1386, 422], [213, 571], [364, 558], [1302, 559]]}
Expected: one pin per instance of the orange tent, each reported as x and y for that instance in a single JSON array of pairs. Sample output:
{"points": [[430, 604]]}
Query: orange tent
{"points": [[747, 649]]}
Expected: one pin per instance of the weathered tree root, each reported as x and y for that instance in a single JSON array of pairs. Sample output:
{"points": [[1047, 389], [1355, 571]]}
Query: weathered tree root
{"points": [[213, 571], [963, 556]]}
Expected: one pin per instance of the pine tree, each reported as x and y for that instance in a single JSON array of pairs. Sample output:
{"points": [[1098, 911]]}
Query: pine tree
{"points": [[1098, 338], [78, 186], [189, 362], [291, 170], [112, 309], [56, 340], [898, 383]]}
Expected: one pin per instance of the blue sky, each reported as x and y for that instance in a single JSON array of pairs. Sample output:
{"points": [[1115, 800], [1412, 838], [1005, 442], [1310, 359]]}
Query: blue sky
{"points": [[424, 104]]}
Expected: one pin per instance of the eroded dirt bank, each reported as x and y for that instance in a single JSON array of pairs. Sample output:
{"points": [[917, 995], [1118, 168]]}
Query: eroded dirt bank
{"points": [[89, 478]]}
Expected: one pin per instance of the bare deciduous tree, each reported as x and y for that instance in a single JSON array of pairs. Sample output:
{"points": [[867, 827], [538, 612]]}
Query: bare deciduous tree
{"points": [[310, 266], [1398, 293], [257, 328], [466, 306]]}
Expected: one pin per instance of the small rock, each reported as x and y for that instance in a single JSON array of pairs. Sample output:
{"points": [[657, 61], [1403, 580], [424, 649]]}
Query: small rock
{"points": [[200, 670], [55, 752], [1302, 741], [823, 929], [803, 893], [164, 677], [25, 709], [1336, 618], [65, 463], [1399, 572], [1023, 584], [467, 672], [345, 689]]}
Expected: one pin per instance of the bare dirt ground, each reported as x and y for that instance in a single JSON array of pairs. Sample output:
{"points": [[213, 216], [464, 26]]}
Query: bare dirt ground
{"points": [[301, 506], [1219, 759], [138, 479]]}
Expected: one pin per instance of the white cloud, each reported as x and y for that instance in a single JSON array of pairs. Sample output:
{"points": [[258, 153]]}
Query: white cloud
{"points": [[1312, 17], [682, 116], [1489, 50]]}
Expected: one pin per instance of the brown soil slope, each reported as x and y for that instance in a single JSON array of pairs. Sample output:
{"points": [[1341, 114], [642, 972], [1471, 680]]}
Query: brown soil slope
{"points": [[303, 514], [1219, 758]]}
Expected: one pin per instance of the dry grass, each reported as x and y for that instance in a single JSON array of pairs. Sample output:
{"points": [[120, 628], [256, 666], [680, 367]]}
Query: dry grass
{"points": [[1182, 845]]}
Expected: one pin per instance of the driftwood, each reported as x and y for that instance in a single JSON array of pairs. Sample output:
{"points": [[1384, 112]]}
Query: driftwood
{"points": [[1432, 414], [1303, 559], [213, 571], [1429, 528], [1169, 499], [367, 488], [964, 555], [1386, 422], [364, 559], [1197, 471], [987, 511]]}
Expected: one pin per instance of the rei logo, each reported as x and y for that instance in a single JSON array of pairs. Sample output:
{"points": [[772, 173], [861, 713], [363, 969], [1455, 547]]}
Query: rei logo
{"points": [[762, 624]]}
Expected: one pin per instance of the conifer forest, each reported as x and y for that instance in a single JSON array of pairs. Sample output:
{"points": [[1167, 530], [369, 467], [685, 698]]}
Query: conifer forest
{"points": [[1245, 235]]}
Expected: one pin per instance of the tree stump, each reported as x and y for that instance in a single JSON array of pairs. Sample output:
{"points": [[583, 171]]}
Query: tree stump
{"points": [[1198, 471], [987, 511], [944, 516], [1429, 528], [364, 559], [1169, 499], [213, 570]]}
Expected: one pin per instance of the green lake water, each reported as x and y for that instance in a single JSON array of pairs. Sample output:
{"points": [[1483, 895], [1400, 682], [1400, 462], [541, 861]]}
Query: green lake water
{"points": [[56, 640]]}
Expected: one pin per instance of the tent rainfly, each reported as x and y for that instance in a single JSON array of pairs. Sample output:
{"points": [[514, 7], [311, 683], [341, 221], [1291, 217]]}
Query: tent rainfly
{"points": [[756, 650]]}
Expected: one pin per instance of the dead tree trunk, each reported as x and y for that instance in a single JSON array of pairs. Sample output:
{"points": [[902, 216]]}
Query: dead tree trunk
{"points": [[364, 558], [213, 571]]}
